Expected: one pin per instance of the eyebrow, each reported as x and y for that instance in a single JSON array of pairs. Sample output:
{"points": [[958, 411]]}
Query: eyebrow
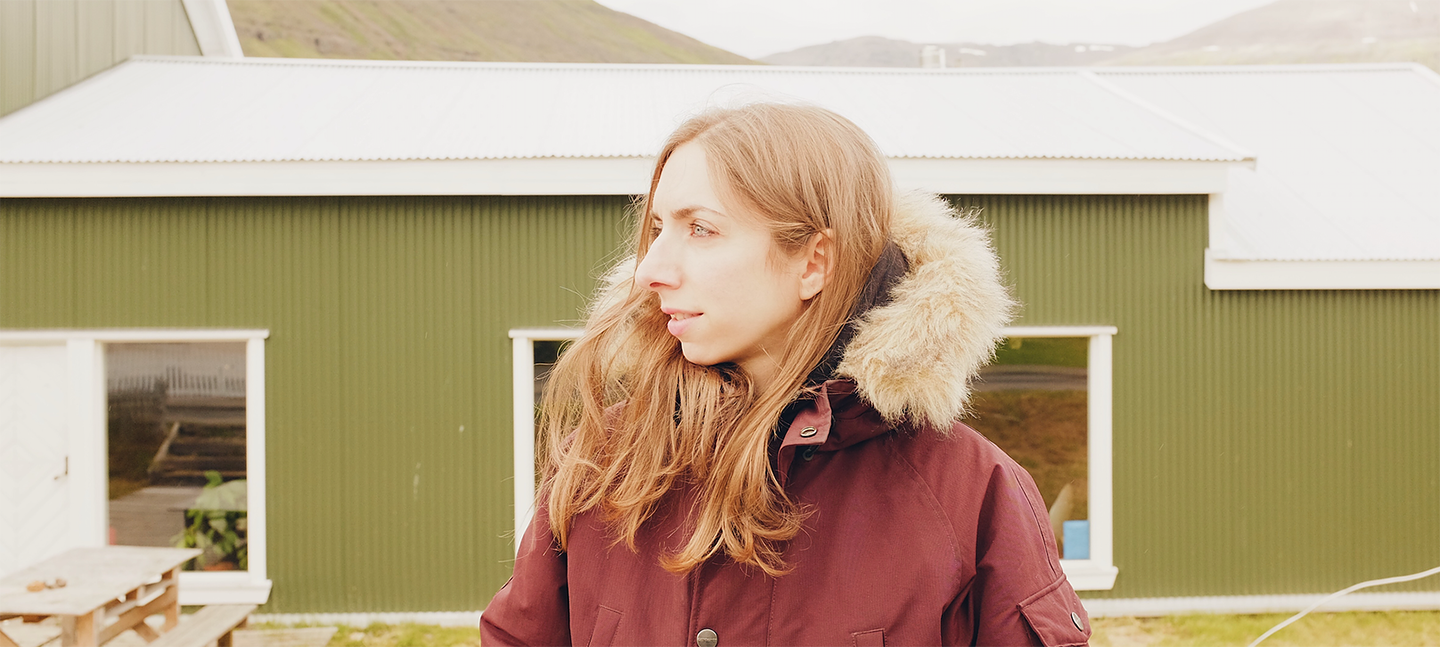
{"points": [[686, 213]]}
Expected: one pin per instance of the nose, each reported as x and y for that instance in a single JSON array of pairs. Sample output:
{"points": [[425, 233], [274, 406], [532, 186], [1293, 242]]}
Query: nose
{"points": [[658, 269]]}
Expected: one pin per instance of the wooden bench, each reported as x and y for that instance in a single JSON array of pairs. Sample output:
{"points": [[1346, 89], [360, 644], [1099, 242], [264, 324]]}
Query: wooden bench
{"points": [[211, 624]]}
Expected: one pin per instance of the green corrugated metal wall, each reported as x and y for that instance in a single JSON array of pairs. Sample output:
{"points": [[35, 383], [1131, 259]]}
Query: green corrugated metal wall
{"points": [[388, 366], [46, 45], [1265, 442]]}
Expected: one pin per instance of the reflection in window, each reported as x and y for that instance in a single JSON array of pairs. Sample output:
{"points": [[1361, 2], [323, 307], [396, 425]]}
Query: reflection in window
{"points": [[176, 428], [1032, 403]]}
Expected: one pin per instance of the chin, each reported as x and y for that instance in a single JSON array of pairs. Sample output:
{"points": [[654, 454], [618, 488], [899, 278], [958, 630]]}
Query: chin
{"points": [[697, 356]]}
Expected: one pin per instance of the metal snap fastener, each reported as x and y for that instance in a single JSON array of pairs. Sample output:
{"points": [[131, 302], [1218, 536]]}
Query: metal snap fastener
{"points": [[808, 454], [807, 432], [1075, 618], [707, 638]]}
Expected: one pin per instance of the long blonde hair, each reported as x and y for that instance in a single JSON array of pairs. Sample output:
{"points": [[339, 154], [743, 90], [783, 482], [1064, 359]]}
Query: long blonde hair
{"points": [[804, 170]]}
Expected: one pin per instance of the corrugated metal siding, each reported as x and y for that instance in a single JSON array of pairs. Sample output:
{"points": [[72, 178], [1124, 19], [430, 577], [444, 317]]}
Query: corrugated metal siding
{"points": [[50, 44], [388, 365], [1265, 442]]}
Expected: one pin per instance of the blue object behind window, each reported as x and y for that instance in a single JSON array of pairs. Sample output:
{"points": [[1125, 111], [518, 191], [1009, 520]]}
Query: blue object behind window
{"points": [[1077, 539]]}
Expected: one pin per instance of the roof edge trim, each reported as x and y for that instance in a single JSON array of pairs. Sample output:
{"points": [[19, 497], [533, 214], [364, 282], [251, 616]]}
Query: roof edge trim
{"points": [[574, 176], [791, 69], [1321, 275]]}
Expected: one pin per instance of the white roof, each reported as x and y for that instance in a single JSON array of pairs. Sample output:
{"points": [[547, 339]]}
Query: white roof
{"points": [[184, 109], [1324, 163], [1348, 157]]}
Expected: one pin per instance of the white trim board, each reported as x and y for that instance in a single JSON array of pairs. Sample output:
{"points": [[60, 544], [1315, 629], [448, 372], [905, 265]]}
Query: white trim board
{"points": [[572, 176], [213, 28], [1224, 274], [1150, 607], [88, 497], [1097, 573]]}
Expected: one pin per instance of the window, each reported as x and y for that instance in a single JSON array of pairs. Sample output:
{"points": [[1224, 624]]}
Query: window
{"points": [[175, 448], [1055, 379], [1046, 402]]}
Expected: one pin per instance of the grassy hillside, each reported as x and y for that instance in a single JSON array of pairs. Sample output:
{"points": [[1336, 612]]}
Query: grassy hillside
{"points": [[1308, 31], [572, 31]]}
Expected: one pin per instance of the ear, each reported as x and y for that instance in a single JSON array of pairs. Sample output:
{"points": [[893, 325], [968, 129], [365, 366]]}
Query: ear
{"points": [[819, 261]]}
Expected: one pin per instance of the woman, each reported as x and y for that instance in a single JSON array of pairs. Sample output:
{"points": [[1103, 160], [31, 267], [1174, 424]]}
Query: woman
{"points": [[756, 440]]}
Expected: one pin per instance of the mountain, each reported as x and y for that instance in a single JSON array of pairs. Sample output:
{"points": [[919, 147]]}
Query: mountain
{"points": [[874, 51], [572, 31], [1286, 31], [1307, 31]]}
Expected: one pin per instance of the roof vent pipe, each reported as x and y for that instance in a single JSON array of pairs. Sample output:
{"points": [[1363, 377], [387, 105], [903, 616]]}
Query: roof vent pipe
{"points": [[932, 56]]}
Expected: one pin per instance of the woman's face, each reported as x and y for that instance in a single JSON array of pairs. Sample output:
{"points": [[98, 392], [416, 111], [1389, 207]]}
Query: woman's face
{"points": [[730, 293]]}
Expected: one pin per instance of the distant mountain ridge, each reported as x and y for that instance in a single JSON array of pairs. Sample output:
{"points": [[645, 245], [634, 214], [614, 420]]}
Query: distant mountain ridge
{"points": [[1286, 31], [876, 51], [1308, 31], [568, 31]]}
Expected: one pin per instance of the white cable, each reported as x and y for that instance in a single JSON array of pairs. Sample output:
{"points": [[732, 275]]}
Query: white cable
{"points": [[1332, 596]]}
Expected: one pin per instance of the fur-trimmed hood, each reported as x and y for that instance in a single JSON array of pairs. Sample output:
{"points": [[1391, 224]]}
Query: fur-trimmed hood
{"points": [[913, 358]]}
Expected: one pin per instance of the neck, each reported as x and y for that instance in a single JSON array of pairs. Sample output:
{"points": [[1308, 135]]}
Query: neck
{"points": [[761, 371]]}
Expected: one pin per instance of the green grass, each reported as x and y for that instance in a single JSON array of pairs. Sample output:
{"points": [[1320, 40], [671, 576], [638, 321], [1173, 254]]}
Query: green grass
{"points": [[406, 635], [1409, 628]]}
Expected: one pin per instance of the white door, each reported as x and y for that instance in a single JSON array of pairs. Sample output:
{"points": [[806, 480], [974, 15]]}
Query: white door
{"points": [[46, 400]]}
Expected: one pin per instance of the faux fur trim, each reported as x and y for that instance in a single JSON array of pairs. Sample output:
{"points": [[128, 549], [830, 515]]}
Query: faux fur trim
{"points": [[913, 359]]}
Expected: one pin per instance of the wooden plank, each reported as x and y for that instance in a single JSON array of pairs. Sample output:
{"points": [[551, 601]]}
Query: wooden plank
{"points": [[94, 577], [5, 641], [135, 618], [81, 630], [207, 625], [172, 610]]}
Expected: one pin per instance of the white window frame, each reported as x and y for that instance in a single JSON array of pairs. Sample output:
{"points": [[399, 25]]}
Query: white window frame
{"points": [[522, 348], [1096, 573], [89, 499]]}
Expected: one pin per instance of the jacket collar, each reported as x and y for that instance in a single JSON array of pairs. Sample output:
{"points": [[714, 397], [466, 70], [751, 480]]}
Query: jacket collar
{"points": [[836, 418]]}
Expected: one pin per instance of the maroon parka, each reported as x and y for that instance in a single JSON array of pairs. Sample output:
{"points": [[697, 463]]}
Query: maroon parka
{"points": [[919, 534]]}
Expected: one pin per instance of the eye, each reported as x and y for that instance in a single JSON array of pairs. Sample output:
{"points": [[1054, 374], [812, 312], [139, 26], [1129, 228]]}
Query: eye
{"points": [[699, 231]]}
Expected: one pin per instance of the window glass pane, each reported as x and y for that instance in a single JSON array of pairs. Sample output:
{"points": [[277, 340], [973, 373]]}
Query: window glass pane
{"points": [[1032, 403], [176, 430], [547, 353]]}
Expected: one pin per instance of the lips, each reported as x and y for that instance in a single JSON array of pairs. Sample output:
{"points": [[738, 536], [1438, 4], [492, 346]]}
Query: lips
{"points": [[680, 320]]}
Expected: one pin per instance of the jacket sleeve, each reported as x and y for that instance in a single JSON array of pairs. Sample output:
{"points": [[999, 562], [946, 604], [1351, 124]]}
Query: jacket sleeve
{"points": [[533, 608], [1019, 595]]}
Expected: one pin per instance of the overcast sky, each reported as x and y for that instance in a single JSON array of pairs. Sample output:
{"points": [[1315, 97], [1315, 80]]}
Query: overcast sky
{"points": [[756, 28]]}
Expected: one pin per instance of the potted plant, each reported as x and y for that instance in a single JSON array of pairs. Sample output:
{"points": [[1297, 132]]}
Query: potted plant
{"points": [[215, 524]]}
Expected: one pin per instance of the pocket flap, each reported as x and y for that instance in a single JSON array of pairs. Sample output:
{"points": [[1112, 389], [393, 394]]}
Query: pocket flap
{"points": [[606, 622], [1056, 617]]}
